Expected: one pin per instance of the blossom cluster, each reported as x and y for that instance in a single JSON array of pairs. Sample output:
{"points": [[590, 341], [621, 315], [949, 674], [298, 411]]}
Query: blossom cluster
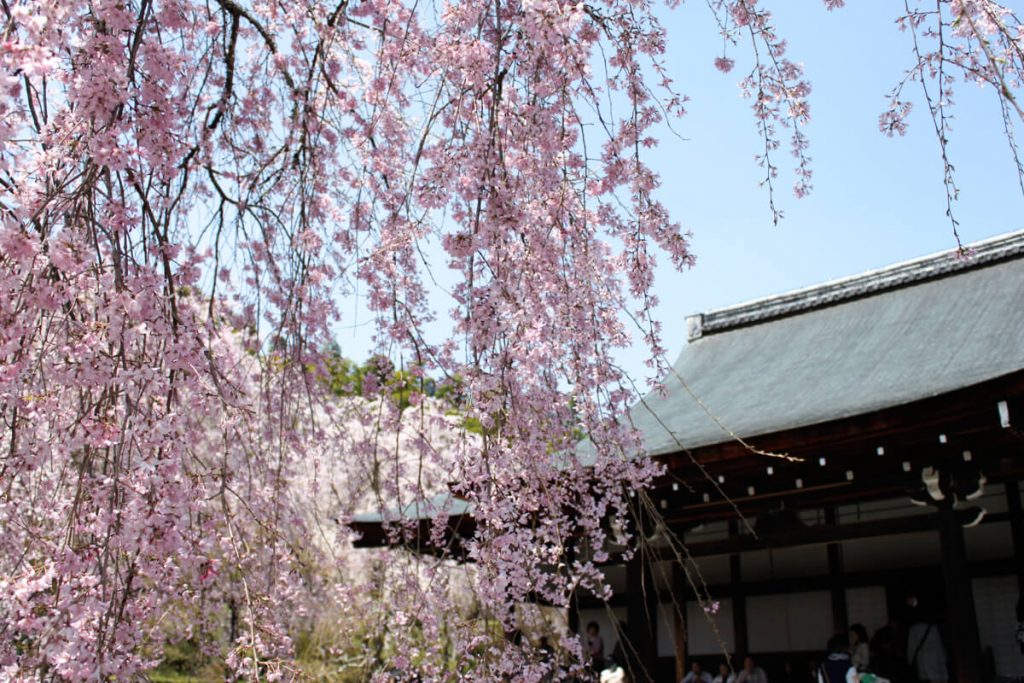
{"points": [[187, 190]]}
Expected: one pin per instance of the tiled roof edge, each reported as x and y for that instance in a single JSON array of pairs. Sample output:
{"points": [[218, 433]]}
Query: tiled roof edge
{"points": [[979, 254]]}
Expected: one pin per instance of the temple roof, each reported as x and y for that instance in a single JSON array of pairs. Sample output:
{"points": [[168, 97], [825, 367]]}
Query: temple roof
{"points": [[442, 503], [847, 347]]}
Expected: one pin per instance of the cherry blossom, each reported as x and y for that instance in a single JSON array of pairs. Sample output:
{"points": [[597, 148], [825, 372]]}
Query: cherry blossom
{"points": [[188, 190]]}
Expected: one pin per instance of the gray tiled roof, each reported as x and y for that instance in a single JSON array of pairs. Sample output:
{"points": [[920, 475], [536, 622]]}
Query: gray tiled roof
{"points": [[845, 348], [427, 509]]}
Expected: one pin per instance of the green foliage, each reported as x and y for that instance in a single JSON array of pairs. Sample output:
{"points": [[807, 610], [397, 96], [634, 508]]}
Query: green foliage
{"points": [[345, 377], [164, 675], [184, 663], [348, 378]]}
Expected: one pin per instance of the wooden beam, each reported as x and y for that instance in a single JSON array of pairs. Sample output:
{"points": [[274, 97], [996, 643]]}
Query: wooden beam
{"points": [[739, 597], [963, 621], [821, 534], [1013, 509], [840, 616], [641, 624], [828, 486], [802, 584], [678, 604], [574, 597], [390, 534], [974, 404]]}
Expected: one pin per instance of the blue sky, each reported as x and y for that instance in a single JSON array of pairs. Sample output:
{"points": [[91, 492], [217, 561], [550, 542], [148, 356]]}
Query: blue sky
{"points": [[876, 201]]}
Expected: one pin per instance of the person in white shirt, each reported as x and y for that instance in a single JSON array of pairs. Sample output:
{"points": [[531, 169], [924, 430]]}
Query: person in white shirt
{"points": [[751, 673], [696, 675], [926, 653], [860, 652], [725, 675]]}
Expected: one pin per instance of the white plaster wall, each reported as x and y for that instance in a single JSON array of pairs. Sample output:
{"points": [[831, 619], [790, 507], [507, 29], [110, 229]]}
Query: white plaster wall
{"points": [[666, 628], [995, 602], [788, 623], [989, 541], [890, 552], [701, 635], [866, 605], [709, 571], [785, 563]]}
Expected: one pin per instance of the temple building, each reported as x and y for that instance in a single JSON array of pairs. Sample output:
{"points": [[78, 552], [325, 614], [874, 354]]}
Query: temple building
{"points": [[897, 399]]}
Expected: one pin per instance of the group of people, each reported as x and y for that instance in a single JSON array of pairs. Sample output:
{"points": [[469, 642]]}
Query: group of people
{"points": [[899, 652], [846, 654], [911, 651], [750, 673]]}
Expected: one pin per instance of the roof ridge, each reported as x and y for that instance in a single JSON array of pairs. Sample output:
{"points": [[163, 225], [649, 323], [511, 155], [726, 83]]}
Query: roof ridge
{"points": [[921, 269]]}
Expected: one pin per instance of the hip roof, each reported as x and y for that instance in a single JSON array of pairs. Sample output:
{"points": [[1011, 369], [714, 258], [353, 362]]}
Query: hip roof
{"points": [[848, 347]]}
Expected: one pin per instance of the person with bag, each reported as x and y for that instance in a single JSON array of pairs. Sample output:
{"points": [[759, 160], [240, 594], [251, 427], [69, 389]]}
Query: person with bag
{"points": [[888, 657], [595, 646], [1020, 623], [926, 654], [837, 665]]}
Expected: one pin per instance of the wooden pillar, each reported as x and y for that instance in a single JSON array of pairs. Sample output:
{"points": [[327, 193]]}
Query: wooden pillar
{"points": [[739, 598], [1016, 528], [679, 592], [641, 620], [574, 598], [574, 614], [840, 615], [963, 621]]}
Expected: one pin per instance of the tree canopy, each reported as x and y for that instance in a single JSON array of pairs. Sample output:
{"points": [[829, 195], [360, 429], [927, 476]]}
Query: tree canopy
{"points": [[189, 187]]}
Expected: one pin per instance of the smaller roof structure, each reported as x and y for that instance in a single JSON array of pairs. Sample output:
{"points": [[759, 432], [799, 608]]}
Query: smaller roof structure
{"points": [[411, 526], [443, 503]]}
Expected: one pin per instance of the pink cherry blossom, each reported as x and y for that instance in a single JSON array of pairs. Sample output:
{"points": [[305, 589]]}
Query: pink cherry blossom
{"points": [[724, 64], [191, 195]]}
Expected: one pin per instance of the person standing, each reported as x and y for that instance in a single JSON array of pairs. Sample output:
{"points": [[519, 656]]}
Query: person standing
{"points": [[1020, 622], [925, 652], [888, 660], [837, 665], [595, 646], [860, 651]]}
